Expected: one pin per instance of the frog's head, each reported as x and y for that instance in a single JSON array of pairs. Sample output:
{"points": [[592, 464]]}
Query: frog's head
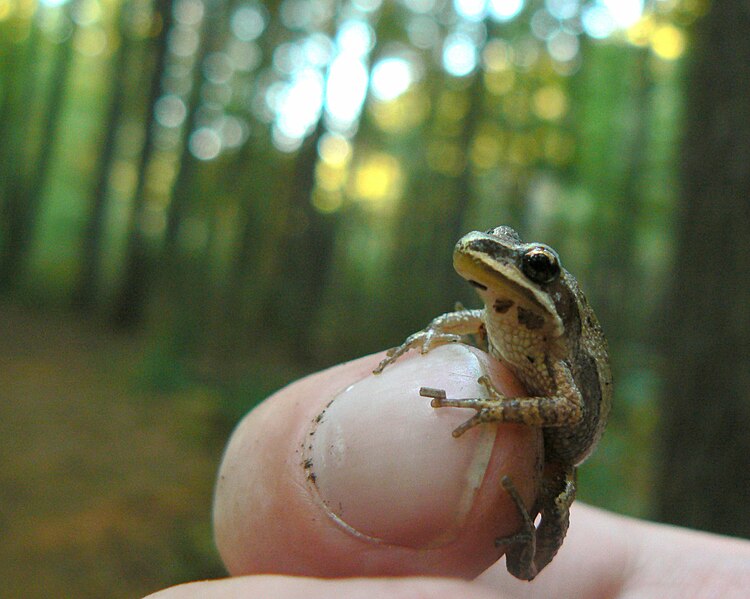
{"points": [[518, 282]]}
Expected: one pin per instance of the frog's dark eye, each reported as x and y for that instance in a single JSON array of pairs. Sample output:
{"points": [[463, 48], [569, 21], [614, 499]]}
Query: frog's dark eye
{"points": [[540, 264]]}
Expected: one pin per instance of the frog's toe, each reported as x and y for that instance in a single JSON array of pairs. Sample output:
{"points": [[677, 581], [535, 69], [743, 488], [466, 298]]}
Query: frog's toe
{"points": [[433, 340], [437, 395], [477, 418]]}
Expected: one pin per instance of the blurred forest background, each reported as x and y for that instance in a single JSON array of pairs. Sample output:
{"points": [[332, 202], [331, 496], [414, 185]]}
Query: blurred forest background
{"points": [[201, 200]]}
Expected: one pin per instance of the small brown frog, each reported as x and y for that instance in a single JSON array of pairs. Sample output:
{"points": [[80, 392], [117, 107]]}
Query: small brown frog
{"points": [[537, 321]]}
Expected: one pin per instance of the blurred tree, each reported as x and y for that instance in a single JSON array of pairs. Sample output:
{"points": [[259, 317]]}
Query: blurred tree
{"points": [[138, 269], [85, 292], [307, 237], [704, 480], [26, 179]]}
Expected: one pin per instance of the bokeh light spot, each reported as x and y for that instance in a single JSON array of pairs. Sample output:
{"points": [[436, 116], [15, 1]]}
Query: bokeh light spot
{"points": [[668, 42], [355, 37], [505, 10], [205, 143], [183, 41], [597, 21], [423, 32], [390, 78], [188, 12], [170, 111], [640, 33], [497, 55], [335, 150], [550, 103], [459, 55], [248, 22], [420, 6], [624, 12], [471, 10], [562, 9], [563, 46], [378, 178], [346, 89]]}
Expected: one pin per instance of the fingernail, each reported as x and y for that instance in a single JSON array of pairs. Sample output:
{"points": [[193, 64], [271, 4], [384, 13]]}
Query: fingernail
{"points": [[384, 462]]}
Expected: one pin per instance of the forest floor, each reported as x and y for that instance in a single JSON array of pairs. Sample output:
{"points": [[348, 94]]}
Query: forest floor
{"points": [[105, 486]]}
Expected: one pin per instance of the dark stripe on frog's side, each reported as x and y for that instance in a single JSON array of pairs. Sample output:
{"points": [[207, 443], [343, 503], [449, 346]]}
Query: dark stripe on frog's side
{"points": [[569, 303], [573, 444]]}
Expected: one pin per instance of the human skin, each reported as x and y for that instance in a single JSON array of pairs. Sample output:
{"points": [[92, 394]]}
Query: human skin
{"points": [[400, 508]]}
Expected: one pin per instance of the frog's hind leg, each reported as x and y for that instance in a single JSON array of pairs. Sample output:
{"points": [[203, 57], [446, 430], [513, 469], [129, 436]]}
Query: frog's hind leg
{"points": [[521, 546], [530, 550]]}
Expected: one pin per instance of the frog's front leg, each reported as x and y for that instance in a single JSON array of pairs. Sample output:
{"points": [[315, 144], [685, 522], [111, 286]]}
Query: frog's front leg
{"points": [[446, 328], [564, 408], [530, 550]]}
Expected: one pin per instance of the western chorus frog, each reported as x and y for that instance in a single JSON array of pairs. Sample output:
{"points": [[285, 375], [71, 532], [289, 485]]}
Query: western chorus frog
{"points": [[537, 321]]}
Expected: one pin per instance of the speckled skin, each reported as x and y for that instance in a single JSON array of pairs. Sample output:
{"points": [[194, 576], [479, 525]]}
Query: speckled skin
{"points": [[549, 336]]}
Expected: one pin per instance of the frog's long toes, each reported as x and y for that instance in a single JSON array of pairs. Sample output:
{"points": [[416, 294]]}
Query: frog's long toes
{"points": [[437, 395], [470, 423]]}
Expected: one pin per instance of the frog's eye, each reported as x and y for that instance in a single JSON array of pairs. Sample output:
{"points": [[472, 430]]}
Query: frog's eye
{"points": [[540, 264]]}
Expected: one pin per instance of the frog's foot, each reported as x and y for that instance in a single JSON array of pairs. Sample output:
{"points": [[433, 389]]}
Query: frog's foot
{"points": [[446, 328], [521, 546], [426, 340], [556, 410], [527, 534], [488, 409], [484, 407]]}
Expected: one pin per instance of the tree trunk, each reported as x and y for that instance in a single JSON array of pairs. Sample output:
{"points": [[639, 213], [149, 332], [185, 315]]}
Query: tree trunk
{"points": [[307, 250], [86, 289], [24, 194], [704, 481], [131, 301]]}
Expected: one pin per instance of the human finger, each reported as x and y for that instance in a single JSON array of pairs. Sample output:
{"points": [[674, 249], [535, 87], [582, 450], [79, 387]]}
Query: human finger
{"points": [[291, 587], [609, 555], [348, 474]]}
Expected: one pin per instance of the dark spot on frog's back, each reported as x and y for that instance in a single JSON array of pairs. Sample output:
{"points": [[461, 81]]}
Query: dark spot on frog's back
{"points": [[531, 320], [501, 306]]}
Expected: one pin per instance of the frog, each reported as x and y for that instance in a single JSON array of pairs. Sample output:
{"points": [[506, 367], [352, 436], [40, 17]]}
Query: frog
{"points": [[536, 321]]}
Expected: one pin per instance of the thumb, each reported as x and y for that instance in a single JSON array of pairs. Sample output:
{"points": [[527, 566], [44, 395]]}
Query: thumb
{"points": [[345, 473]]}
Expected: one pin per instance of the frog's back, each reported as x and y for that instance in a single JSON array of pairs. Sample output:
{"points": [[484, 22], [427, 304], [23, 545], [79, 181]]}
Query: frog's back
{"points": [[589, 366]]}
